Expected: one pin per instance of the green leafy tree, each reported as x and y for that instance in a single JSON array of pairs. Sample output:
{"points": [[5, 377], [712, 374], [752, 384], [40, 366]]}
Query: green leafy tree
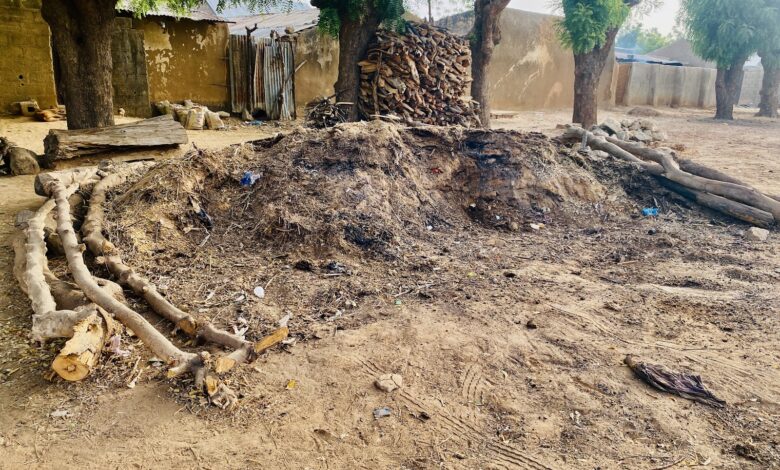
{"points": [[589, 28], [355, 22], [642, 40], [728, 33], [81, 33], [769, 50]]}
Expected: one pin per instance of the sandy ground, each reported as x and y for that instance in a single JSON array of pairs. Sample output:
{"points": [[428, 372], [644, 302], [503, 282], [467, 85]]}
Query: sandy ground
{"points": [[481, 389]]}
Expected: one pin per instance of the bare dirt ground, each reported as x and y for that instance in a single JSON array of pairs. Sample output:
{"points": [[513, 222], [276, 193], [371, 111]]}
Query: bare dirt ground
{"points": [[481, 389]]}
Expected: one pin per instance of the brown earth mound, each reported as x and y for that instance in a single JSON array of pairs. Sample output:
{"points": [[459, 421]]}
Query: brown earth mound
{"points": [[363, 187]]}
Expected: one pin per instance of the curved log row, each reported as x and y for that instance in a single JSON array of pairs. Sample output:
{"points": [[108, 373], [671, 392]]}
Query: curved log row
{"points": [[107, 254], [180, 361], [738, 201]]}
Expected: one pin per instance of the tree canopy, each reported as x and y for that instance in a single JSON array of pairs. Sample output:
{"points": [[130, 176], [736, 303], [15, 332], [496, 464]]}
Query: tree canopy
{"points": [[642, 40], [585, 23], [724, 31], [769, 43], [332, 12]]}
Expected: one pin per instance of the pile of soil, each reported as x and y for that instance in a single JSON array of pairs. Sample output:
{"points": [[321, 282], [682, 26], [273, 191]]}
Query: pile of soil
{"points": [[366, 188]]}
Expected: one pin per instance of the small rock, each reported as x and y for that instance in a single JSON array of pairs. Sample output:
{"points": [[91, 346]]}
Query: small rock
{"points": [[531, 324], [389, 382], [23, 161], [756, 234], [60, 414], [647, 125], [623, 135], [382, 412], [635, 126], [641, 136], [599, 154], [611, 126], [660, 135]]}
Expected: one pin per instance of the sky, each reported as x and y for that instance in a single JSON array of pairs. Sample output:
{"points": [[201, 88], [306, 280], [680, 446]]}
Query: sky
{"points": [[663, 18]]}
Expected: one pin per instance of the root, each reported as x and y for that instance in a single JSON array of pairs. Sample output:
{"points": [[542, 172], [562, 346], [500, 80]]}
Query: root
{"points": [[244, 351], [153, 339], [737, 200]]}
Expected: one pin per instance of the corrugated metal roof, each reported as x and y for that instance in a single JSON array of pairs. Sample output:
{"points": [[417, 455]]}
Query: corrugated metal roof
{"points": [[298, 20], [202, 12]]}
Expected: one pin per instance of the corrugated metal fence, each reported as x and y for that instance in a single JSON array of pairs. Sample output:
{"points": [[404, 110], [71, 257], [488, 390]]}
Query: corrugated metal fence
{"points": [[262, 76]]}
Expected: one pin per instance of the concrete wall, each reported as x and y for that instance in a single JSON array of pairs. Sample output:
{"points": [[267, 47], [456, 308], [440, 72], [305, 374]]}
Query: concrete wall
{"points": [[666, 85], [186, 59], [530, 69], [25, 55], [319, 55]]}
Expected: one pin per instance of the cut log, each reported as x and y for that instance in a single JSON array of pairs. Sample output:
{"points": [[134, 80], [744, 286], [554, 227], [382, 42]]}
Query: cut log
{"points": [[160, 131], [735, 192], [67, 177], [81, 353], [160, 345], [109, 256], [742, 202], [737, 210]]}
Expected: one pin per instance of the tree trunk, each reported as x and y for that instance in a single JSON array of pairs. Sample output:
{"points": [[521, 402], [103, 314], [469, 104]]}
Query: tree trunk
{"points": [[81, 34], [770, 92], [728, 87], [588, 68], [484, 37], [354, 38]]}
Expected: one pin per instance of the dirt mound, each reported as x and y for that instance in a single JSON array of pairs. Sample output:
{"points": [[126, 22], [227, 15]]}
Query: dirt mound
{"points": [[371, 187]]}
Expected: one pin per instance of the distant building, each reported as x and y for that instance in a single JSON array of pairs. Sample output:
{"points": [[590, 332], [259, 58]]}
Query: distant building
{"points": [[156, 57]]}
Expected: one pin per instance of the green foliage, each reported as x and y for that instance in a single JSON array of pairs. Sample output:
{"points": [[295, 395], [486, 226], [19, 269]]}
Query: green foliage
{"points": [[726, 31], [332, 12], [182, 7], [769, 46], [585, 23], [643, 40]]}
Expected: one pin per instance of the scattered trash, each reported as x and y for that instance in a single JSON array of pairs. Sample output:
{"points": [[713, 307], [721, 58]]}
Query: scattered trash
{"points": [[114, 346], [757, 234], [650, 212], [382, 412], [537, 226], [259, 292], [60, 414], [205, 218], [156, 362], [291, 384], [389, 382], [336, 268], [250, 178], [254, 123], [684, 385], [398, 302]]}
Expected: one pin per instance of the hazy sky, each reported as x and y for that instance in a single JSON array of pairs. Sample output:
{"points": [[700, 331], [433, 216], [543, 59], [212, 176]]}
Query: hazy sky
{"points": [[663, 17]]}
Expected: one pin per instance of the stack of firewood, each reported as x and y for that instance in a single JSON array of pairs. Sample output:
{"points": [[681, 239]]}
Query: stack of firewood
{"points": [[323, 112], [421, 76]]}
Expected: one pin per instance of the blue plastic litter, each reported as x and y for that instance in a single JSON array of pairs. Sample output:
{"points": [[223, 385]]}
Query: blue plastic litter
{"points": [[650, 212], [250, 178]]}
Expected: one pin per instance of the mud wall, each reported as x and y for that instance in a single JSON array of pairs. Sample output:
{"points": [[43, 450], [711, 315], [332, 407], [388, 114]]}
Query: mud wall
{"points": [[186, 59], [530, 69], [319, 55], [25, 55], [666, 85]]}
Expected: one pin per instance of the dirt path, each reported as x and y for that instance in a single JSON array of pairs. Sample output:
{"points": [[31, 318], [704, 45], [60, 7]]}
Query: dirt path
{"points": [[481, 389]]}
